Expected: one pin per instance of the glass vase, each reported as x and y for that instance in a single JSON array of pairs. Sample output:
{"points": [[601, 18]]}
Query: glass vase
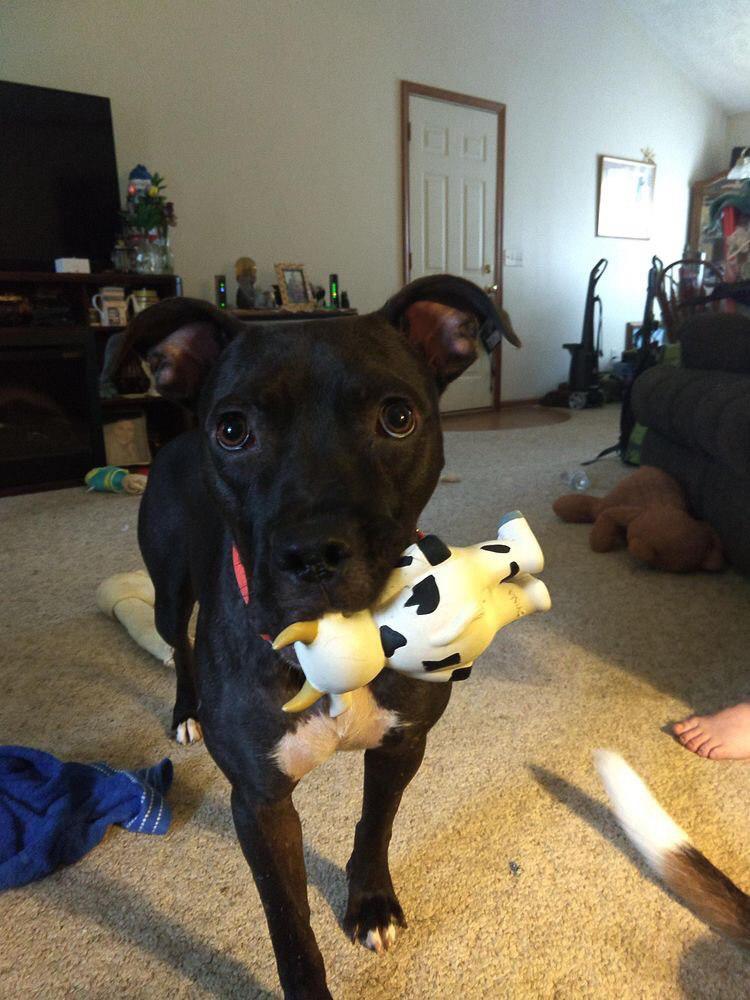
{"points": [[152, 253], [165, 252]]}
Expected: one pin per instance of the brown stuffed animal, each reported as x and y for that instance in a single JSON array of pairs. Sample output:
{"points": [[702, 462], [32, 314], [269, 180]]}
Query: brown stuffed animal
{"points": [[649, 509]]}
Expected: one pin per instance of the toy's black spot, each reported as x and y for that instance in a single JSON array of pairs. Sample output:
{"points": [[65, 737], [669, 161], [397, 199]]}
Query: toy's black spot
{"points": [[513, 572], [449, 661], [497, 548], [462, 674], [425, 595], [434, 550], [404, 561], [391, 640]]}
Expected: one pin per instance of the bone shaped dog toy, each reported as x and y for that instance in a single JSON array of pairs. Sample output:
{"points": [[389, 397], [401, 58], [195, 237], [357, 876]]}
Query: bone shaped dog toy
{"points": [[439, 610]]}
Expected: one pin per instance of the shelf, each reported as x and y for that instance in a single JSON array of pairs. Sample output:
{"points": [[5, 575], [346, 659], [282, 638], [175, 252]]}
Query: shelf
{"points": [[71, 454], [264, 315], [52, 336], [138, 399], [127, 280], [59, 328]]}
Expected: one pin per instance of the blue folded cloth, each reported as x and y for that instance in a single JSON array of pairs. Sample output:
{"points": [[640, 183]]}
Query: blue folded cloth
{"points": [[52, 813]]}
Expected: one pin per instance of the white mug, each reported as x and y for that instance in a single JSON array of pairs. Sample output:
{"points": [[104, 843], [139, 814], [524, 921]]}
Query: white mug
{"points": [[111, 305]]}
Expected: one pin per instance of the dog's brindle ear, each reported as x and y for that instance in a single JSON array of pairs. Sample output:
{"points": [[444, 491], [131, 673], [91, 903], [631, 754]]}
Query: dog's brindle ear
{"points": [[181, 338], [443, 316]]}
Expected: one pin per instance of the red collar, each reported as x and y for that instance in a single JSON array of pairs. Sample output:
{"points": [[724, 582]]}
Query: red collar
{"points": [[240, 575]]}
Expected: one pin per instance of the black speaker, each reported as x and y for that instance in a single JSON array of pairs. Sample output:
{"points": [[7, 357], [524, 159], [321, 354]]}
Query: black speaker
{"points": [[220, 290], [333, 290]]}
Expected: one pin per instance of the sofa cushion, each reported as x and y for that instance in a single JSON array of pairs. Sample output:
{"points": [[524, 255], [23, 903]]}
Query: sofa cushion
{"points": [[716, 342], [707, 410]]}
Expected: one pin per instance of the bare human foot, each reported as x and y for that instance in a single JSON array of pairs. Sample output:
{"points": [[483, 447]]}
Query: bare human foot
{"points": [[725, 735]]}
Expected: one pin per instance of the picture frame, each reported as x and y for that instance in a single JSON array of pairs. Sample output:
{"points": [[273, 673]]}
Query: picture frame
{"points": [[626, 198], [296, 294], [126, 439]]}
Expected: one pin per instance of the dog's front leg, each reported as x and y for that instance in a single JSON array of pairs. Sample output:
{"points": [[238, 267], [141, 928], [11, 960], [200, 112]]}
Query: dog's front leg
{"points": [[271, 839], [373, 911]]}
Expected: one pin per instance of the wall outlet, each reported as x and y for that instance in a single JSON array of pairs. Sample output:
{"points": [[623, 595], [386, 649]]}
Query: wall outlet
{"points": [[513, 258]]}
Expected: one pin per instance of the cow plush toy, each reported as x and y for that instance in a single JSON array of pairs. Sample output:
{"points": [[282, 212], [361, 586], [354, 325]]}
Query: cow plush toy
{"points": [[439, 610]]}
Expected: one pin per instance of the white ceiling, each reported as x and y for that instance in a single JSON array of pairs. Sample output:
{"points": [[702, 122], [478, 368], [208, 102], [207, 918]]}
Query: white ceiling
{"points": [[708, 39]]}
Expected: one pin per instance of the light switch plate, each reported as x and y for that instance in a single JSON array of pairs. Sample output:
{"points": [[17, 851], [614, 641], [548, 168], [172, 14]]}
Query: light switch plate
{"points": [[513, 258]]}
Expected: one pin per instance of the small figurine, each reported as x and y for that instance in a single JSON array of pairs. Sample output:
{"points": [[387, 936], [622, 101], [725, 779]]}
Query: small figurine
{"points": [[439, 610], [139, 181], [319, 295], [246, 272]]}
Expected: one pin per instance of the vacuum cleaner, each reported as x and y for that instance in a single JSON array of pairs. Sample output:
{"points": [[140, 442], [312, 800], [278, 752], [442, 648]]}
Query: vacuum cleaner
{"points": [[582, 388]]}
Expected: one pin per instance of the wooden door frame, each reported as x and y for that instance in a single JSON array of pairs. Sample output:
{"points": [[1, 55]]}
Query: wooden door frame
{"points": [[409, 89]]}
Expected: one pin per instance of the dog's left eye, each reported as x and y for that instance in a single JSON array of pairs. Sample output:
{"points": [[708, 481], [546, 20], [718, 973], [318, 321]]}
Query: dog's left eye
{"points": [[397, 418], [232, 431]]}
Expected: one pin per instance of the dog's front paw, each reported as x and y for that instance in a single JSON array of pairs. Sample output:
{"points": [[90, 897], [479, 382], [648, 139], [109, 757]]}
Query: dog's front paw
{"points": [[188, 731], [373, 920]]}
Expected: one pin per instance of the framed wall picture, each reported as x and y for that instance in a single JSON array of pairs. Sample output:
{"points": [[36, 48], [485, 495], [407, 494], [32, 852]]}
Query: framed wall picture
{"points": [[293, 285], [626, 198]]}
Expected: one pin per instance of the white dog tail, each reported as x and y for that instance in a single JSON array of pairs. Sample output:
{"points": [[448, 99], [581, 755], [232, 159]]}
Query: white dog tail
{"points": [[688, 874]]}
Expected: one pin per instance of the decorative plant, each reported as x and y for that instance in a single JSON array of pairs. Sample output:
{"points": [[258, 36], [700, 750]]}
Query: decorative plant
{"points": [[147, 210]]}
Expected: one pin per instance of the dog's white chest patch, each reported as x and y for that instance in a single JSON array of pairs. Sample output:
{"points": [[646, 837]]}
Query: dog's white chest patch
{"points": [[318, 737]]}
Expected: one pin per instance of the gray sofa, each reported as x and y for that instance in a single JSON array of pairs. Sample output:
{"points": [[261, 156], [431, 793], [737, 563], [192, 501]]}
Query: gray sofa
{"points": [[698, 419]]}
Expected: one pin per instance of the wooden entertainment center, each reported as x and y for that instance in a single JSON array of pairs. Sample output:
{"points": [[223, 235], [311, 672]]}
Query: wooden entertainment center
{"points": [[52, 415], [49, 373]]}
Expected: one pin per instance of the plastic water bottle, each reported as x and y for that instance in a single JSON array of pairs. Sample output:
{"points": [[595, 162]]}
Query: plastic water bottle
{"points": [[576, 480]]}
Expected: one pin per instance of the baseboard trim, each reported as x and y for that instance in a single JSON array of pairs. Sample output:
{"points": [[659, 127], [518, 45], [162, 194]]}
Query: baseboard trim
{"points": [[504, 405]]}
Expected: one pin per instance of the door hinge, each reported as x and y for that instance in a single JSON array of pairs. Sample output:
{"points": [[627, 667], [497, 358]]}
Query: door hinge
{"points": [[409, 263], [408, 131]]}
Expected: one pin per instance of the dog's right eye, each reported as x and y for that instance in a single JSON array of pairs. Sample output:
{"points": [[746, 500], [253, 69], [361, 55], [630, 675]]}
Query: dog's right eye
{"points": [[232, 431]]}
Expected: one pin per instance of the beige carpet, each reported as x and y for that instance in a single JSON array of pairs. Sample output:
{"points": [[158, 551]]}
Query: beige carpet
{"points": [[507, 779]]}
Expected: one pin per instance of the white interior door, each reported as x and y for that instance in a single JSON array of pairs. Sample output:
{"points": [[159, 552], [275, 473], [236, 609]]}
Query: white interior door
{"points": [[452, 217]]}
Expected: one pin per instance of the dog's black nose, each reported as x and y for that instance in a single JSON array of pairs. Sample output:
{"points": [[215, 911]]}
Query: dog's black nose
{"points": [[314, 561]]}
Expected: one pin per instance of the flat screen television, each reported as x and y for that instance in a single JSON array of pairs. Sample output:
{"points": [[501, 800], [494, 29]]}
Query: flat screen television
{"points": [[59, 194]]}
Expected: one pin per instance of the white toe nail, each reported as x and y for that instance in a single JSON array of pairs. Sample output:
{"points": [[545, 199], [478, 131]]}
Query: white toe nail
{"points": [[374, 942]]}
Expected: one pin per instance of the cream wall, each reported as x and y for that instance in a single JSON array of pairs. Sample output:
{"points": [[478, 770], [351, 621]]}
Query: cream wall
{"points": [[276, 126], [738, 130]]}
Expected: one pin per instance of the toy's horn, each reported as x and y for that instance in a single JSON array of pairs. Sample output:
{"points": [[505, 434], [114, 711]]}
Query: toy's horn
{"points": [[306, 632], [306, 696]]}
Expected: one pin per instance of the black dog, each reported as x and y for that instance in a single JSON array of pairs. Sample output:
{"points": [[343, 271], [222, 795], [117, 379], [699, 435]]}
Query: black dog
{"points": [[318, 445]]}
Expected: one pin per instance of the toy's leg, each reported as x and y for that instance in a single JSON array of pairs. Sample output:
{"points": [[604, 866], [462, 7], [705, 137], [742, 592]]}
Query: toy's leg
{"points": [[516, 598], [129, 597], [536, 595], [609, 527], [514, 530], [340, 703], [138, 620], [373, 912]]}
